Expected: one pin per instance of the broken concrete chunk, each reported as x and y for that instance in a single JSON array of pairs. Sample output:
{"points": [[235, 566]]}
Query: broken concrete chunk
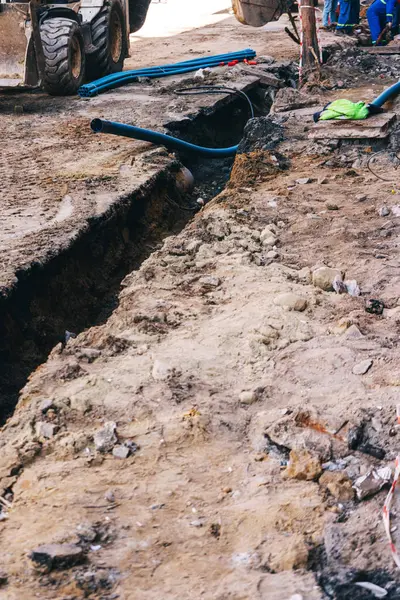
{"points": [[261, 133], [267, 237], [291, 301], [121, 451], [302, 465], [45, 430], [362, 367], [57, 556], [106, 438], [338, 484], [324, 277], [289, 98]]}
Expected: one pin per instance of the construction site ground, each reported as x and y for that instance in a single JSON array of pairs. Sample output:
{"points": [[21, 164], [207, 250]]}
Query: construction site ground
{"points": [[193, 442]]}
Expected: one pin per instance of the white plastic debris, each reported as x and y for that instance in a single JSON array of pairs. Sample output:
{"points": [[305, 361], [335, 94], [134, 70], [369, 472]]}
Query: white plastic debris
{"points": [[346, 287], [372, 482], [376, 590], [352, 287], [396, 210], [199, 74]]}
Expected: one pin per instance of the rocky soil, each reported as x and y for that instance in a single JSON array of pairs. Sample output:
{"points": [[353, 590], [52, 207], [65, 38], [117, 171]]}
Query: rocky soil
{"points": [[207, 440]]}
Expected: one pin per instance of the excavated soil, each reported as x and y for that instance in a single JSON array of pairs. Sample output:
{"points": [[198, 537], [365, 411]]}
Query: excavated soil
{"points": [[221, 362]]}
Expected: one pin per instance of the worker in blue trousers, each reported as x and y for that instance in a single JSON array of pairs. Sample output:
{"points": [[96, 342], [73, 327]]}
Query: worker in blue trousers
{"points": [[349, 16], [380, 14]]}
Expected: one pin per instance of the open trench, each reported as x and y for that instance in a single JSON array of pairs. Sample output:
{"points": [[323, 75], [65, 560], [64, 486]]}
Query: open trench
{"points": [[78, 287]]}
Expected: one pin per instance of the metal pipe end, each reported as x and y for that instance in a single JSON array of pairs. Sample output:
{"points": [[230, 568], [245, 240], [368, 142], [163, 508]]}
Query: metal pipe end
{"points": [[96, 125]]}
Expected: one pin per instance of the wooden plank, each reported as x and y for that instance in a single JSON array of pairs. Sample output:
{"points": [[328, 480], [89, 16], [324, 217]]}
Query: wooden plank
{"points": [[375, 127], [383, 50]]}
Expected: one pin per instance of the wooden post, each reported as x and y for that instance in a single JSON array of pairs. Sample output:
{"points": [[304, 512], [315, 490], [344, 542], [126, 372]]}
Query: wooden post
{"points": [[310, 55]]}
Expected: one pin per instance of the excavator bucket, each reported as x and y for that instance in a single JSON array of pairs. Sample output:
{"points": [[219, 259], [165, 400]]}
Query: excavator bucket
{"points": [[258, 12], [17, 55]]}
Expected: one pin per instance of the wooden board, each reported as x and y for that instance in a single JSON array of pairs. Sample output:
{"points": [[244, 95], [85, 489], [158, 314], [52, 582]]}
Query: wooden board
{"points": [[383, 50], [375, 127]]}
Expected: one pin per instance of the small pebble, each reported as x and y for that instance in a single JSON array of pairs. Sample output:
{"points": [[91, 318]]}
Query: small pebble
{"points": [[384, 211], [362, 367], [109, 496]]}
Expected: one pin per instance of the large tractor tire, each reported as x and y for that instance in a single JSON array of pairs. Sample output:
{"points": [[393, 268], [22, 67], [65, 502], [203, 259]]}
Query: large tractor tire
{"points": [[64, 55], [110, 40]]}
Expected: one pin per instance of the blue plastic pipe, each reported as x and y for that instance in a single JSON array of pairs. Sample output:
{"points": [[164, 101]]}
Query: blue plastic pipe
{"points": [[386, 95], [160, 139], [124, 77]]}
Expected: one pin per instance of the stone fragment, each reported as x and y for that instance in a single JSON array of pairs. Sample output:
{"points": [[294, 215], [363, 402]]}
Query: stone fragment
{"points": [[106, 438], [304, 275], [353, 333], [362, 367], [120, 452], [57, 556], [272, 254], [109, 496], [324, 276], [46, 405], [248, 397], [384, 211], [80, 403], [268, 237], [210, 282], [361, 197], [45, 430], [291, 557], [303, 466], [90, 354], [291, 301], [86, 533], [338, 484], [303, 180]]}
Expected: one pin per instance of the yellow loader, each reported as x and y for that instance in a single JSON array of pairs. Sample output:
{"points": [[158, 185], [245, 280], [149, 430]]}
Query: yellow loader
{"points": [[57, 44]]}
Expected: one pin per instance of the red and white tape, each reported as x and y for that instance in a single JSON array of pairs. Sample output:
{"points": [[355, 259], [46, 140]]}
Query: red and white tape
{"points": [[388, 504]]}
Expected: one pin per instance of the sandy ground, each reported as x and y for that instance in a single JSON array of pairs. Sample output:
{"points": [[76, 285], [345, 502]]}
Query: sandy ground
{"points": [[48, 171], [221, 357]]}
